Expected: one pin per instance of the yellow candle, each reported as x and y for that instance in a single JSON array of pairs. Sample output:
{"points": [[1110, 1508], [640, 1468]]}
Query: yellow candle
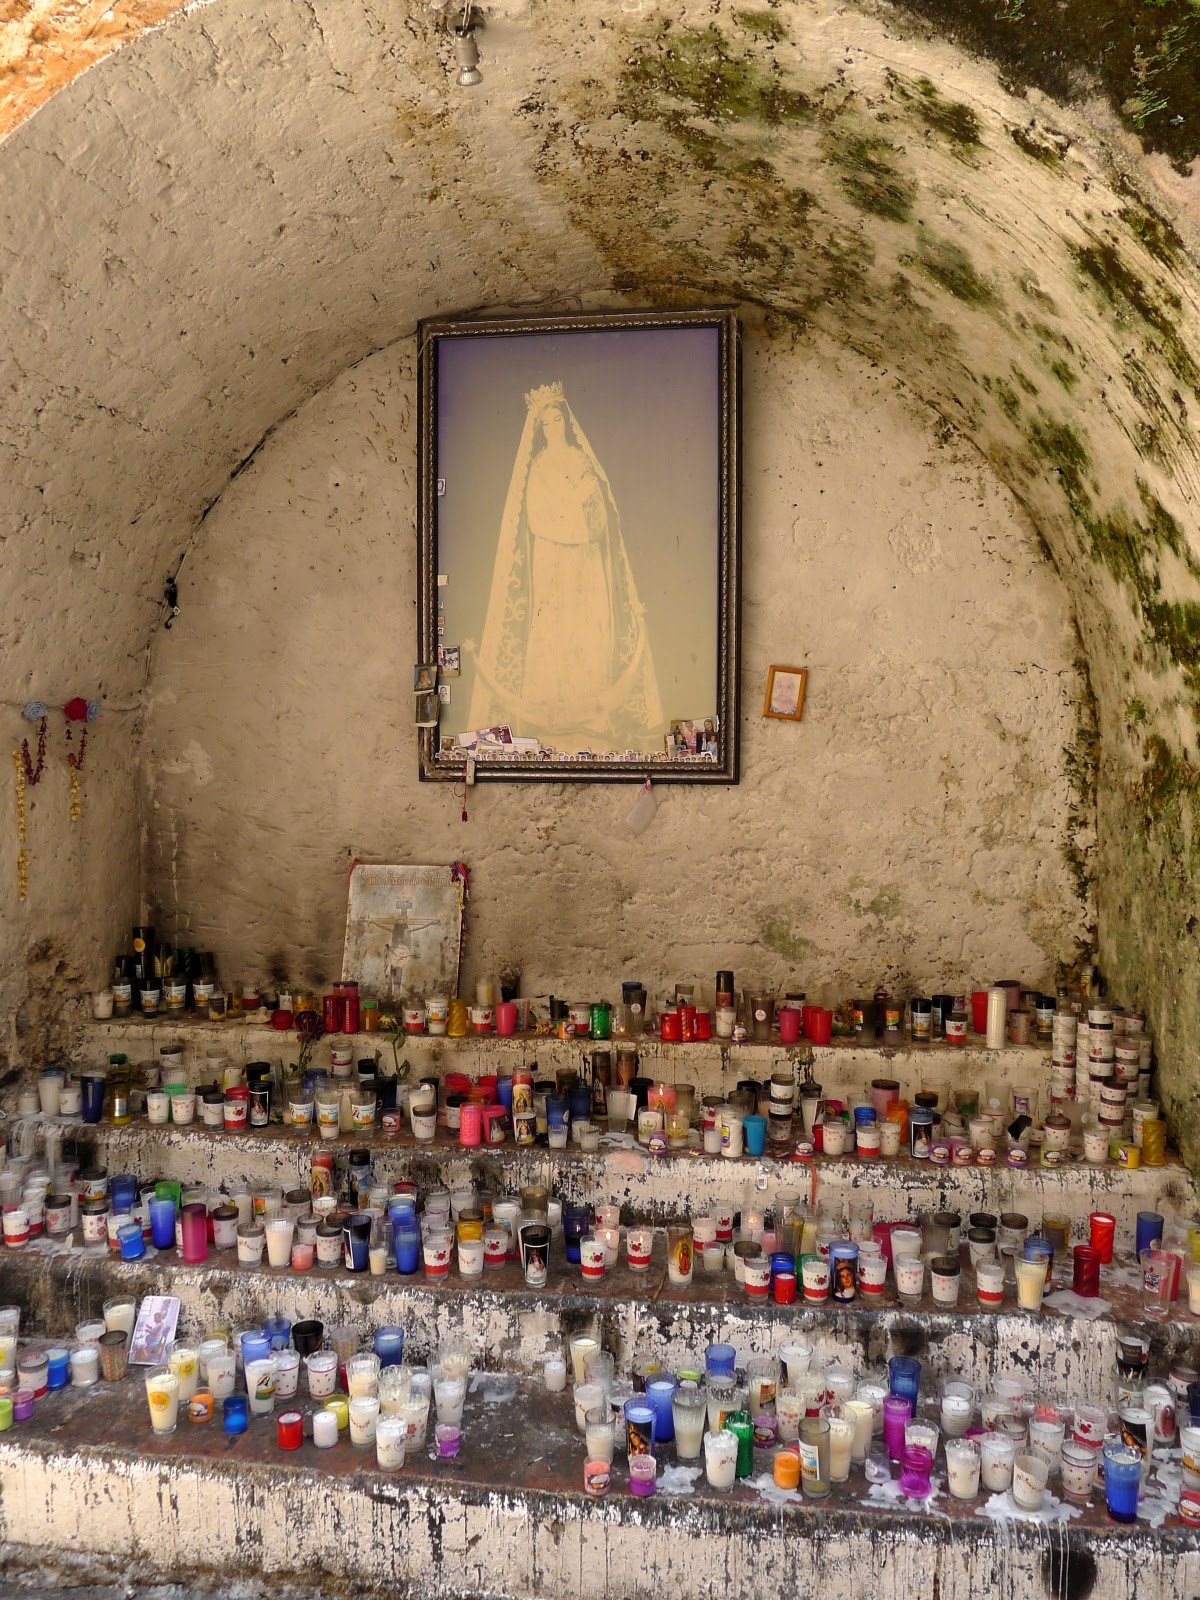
{"points": [[841, 1443], [1031, 1284]]}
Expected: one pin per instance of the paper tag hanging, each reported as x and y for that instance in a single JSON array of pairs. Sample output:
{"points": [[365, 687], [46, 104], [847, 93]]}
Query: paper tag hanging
{"points": [[641, 813]]}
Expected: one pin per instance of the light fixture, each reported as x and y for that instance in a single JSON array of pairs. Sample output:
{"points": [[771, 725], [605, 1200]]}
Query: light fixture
{"points": [[466, 50], [466, 53]]}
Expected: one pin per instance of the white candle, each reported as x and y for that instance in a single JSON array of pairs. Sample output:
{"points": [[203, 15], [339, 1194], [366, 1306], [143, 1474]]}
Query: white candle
{"points": [[449, 1395], [362, 1377], [956, 1415], [689, 1433], [364, 1415], [997, 1019], [588, 1397], [910, 1276], [325, 1431], [119, 1315], [996, 1458], [222, 1372], [162, 1392], [862, 1414], [789, 1408], [391, 1434], [1029, 1482], [841, 1443], [85, 1366], [184, 1362], [600, 1441], [962, 1468], [378, 1260], [720, 1459], [555, 1371], [582, 1346], [279, 1231]]}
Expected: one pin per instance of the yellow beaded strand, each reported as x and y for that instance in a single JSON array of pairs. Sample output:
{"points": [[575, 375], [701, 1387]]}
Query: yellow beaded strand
{"points": [[22, 819], [74, 795]]}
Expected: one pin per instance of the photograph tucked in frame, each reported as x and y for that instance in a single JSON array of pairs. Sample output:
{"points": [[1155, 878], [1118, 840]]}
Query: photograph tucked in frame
{"points": [[785, 693], [578, 555]]}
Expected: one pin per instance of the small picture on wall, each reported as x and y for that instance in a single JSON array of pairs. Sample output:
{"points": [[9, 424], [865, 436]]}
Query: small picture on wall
{"points": [[785, 693]]}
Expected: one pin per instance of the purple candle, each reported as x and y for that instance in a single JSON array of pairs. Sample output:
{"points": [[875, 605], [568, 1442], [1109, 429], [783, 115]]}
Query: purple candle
{"points": [[897, 1410]]}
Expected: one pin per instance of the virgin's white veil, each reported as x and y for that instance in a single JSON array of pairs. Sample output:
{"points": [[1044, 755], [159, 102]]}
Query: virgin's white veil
{"points": [[500, 694]]}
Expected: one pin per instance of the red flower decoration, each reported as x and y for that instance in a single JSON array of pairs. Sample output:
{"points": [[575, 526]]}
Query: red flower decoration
{"points": [[76, 710]]}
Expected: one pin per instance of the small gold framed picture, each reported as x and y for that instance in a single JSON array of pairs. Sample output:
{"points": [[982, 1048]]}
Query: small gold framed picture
{"points": [[785, 693]]}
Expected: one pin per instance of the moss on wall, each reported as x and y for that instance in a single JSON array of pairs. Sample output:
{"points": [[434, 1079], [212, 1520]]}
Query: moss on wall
{"points": [[1143, 54], [1150, 921]]}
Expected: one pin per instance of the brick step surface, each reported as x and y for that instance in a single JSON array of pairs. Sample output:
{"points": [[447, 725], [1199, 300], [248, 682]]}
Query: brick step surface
{"points": [[654, 1189], [508, 1517], [639, 1315]]}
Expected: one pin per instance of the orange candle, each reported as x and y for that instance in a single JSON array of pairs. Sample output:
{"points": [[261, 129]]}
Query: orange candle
{"points": [[897, 1111], [787, 1469]]}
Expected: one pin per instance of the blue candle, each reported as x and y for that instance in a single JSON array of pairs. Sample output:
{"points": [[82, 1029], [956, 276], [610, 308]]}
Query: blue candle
{"points": [[57, 1369], [256, 1346], [905, 1374], [406, 1237], [1149, 1231], [236, 1417], [575, 1223], [162, 1224], [719, 1360], [131, 1242], [1122, 1479], [660, 1392], [279, 1331], [389, 1346]]}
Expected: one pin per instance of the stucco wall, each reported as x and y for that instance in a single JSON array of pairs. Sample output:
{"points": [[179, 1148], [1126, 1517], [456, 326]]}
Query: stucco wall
{"points": [[234, 209], [913, 824]]}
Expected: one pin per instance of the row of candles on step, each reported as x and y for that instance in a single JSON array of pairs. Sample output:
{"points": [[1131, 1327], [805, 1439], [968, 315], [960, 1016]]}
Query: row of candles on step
{"points": [[791, 1254], [371, 1395], [1115, 1121], [821, 1423]]}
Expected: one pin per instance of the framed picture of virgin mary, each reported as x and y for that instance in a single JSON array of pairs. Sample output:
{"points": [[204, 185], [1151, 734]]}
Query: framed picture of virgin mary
{"points": [[578, 545]]}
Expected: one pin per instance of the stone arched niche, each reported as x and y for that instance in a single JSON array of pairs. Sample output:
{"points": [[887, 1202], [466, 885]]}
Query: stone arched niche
{"points": [[233, 213]]}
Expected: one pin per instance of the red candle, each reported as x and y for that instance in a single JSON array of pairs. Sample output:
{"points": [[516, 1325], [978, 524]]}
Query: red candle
{"points": [[783, 1285], [194, 1230], [290, 1427], [1103, 1228], [1086, 1279]]}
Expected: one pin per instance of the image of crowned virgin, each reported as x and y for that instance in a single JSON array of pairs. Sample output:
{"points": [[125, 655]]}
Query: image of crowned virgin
{"points": [[564, 656]]}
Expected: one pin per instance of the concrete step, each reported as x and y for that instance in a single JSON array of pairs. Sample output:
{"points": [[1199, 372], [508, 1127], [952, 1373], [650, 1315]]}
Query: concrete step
{"points": [[712, 1065], [508, 1518], [653, 1189], [639, 1316]]}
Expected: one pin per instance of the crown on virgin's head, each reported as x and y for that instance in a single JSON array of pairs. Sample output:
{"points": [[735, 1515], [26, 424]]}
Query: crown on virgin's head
{"points": [[547, 391]]}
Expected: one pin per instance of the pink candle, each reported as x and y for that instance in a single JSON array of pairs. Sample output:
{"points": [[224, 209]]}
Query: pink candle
{"points": [[661, 1095]]}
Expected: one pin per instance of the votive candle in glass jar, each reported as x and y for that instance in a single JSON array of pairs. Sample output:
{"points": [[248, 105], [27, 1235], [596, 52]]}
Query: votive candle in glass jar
{"points": [[720, 1459]]}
